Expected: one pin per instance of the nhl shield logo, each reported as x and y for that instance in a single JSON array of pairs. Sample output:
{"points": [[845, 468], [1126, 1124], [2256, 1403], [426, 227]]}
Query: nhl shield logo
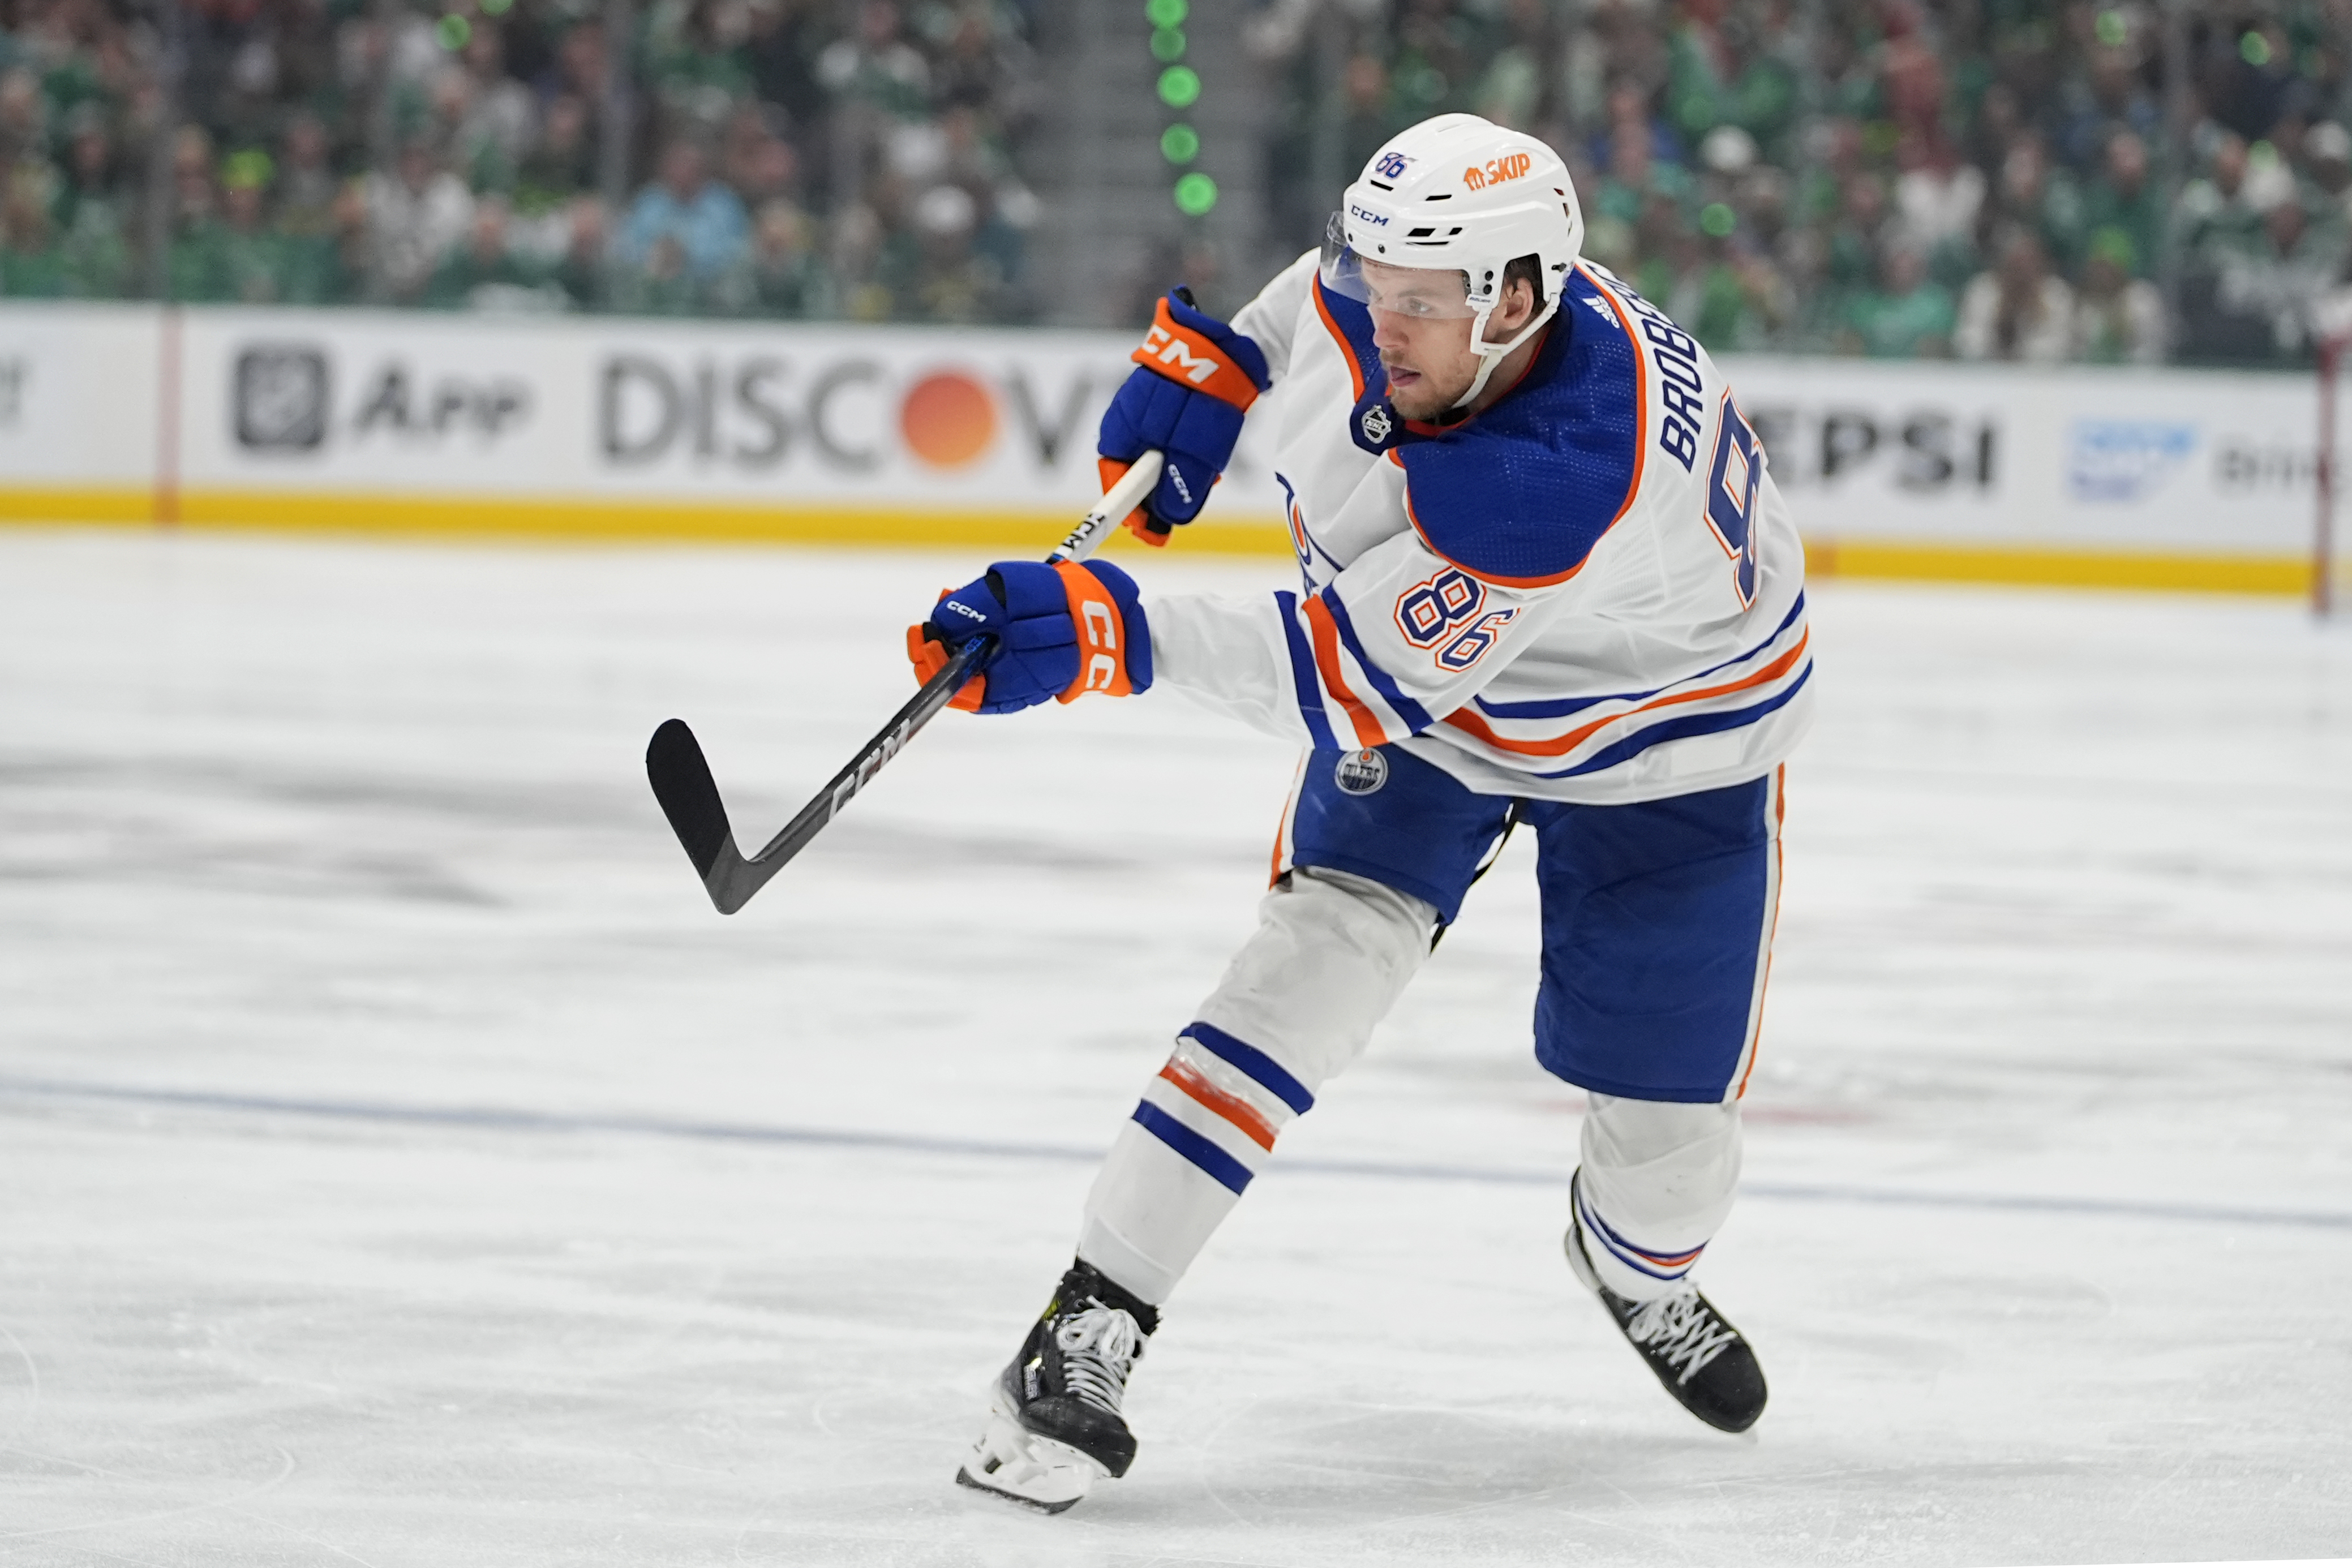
{"points": [[1376, 423], [1360, 772]]}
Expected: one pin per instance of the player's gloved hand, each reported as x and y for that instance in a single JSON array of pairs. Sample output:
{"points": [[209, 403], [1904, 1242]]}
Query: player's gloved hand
{"points": [[1195, 379], [1061, 632]]}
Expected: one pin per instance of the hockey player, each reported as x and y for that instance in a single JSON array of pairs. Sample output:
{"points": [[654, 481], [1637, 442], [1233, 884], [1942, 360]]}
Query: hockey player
{"points": [[1546, 579]]}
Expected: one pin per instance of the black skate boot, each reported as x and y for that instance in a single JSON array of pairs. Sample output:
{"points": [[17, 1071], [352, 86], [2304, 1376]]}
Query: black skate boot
{"points": [[1055, 1424], [1700, 1358]]}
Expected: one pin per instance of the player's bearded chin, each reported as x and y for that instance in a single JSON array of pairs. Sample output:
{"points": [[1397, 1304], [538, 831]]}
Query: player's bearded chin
{"points": [[1416, 393]]}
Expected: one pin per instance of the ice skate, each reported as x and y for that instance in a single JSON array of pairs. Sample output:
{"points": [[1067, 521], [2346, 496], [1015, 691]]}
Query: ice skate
{"points": [[1054, 1423], [1701, 1359]]}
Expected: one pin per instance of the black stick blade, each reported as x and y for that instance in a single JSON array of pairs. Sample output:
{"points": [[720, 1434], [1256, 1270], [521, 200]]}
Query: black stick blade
{"points": [[690, 797]]}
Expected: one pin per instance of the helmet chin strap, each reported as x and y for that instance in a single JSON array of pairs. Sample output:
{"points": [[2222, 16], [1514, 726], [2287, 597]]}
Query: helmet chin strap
{"points": [[1493, 354]]}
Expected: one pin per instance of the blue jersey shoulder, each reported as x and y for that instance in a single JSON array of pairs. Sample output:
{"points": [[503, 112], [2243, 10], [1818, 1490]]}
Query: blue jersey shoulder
{"points": [[1523, 491]]}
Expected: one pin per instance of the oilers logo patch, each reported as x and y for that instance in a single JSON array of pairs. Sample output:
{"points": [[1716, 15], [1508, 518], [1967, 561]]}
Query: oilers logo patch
{"points": [[1376, 423], [1360, 772]]}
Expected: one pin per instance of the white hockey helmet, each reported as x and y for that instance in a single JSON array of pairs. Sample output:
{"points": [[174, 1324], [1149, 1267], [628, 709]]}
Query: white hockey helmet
{"points": [[1458, 195]]}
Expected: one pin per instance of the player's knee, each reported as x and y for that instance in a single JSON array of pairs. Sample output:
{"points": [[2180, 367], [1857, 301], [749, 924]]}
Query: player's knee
{"points": [[1356, 913], [1329, 956]]}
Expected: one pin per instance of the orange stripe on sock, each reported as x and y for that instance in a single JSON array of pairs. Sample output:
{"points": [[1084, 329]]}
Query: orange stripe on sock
{"points": [[1233, 1108]]}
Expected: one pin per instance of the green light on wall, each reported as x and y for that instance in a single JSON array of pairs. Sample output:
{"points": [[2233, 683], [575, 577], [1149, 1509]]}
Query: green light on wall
{"points": [[1179, 143], [1180, 87], [1167, 44], [454, 32], [1195, 194], [1167, 12]]}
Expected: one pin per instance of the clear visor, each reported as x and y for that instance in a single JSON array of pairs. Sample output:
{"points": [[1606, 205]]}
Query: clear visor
{"points": [[1425, 291]]}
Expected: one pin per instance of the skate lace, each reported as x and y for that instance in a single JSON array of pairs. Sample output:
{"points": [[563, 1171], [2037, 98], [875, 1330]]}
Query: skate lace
{"points": [[1680, 1329], [1098, 1349]]}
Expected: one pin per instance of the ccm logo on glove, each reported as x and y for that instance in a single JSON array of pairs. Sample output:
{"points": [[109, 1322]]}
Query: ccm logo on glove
{"points": [[1194, 379], [1058, 632]]}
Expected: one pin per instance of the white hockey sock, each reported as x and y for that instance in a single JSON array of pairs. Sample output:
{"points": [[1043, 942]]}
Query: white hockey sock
{"points": [[1655, 1184], [1298, 1002]]}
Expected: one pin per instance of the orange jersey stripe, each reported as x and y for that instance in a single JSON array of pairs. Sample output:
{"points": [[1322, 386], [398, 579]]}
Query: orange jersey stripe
{"points": [[1325, 632], [1641, 395], [1233, 1108], [1473, 723], [1347, 350]]}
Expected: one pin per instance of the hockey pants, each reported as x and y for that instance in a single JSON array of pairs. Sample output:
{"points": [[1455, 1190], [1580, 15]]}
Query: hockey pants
{"points": [[1331, 954]]}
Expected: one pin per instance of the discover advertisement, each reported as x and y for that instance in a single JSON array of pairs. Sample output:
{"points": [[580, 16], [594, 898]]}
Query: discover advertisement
{"points": [[367, 420]]}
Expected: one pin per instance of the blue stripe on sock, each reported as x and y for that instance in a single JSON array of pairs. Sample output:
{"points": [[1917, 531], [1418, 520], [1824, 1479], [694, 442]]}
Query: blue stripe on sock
{"points": [[1253, 1061], [1626, 1252], [1192, 1145]]}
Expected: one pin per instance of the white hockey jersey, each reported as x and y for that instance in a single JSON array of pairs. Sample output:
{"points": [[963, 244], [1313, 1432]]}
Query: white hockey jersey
{"points": [[1591, 591]]}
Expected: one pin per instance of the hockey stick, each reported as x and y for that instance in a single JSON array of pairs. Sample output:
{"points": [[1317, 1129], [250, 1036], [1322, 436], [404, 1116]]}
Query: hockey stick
{"points": [[689, 796]]}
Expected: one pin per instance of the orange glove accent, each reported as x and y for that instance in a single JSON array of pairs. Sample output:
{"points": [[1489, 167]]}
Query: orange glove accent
{"points": [[1185, 357], [1102, 635], [929, 656], [1139, 521]]}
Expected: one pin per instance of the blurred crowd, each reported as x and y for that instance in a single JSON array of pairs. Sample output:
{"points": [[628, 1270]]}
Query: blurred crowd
{"points": [[783, 158], [1980, 179]]}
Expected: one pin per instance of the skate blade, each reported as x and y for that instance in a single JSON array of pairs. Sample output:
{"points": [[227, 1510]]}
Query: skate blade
{"points": [[1023, 1467]]}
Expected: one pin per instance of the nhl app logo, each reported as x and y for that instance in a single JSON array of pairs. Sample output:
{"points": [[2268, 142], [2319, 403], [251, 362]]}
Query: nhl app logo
{"points": [[1362, 772], [1376, 426]]}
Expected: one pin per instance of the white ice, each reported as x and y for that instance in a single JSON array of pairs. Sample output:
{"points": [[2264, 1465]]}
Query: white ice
{"points": [[401, 1163]]}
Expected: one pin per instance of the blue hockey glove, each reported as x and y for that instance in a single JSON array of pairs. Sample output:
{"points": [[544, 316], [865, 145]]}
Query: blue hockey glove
{"points": [[1195, 378], [1061, 632]]}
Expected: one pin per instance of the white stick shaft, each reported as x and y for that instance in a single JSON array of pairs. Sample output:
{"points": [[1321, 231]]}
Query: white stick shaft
{"points": [[1122, 498]]}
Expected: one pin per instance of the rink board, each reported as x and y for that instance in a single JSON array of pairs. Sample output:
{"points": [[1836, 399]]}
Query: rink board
{"points": [[381, 423]]}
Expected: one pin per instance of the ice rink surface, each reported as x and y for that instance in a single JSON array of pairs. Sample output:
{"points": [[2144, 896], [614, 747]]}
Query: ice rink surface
{"points": [[401, 1163]]}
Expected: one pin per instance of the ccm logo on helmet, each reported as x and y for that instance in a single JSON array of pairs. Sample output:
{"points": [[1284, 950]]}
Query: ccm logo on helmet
{"points": [[1510, 166], [1362, 216], [1171, 351]]}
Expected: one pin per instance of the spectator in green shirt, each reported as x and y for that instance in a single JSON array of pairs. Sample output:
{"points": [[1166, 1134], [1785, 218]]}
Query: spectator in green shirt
{"points": [[249, 254], [484, 273], [1908, 315], [2123, 197], [91, 213], [31, 264]]}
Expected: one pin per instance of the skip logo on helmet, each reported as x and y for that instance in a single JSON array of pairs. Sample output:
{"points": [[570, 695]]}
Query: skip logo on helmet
{"points": [[1496, 172]]}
